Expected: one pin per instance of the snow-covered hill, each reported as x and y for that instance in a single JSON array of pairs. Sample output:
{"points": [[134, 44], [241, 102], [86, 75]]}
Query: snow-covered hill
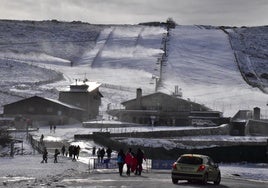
{"points": [[200, 60], [251, 50]]}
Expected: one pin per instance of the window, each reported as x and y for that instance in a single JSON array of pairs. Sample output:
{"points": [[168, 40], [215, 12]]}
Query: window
{"points": [[210, 162], [190, 160]]}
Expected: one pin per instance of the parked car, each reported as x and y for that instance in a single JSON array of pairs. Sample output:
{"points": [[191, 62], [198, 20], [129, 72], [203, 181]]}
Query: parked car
{"points": [[194, 167]]}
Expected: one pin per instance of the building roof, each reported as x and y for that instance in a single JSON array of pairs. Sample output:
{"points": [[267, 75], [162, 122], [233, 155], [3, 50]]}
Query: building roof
{"points": [[83, 86], [64, 104], [146, 96], [51, 100], [160, 94]]}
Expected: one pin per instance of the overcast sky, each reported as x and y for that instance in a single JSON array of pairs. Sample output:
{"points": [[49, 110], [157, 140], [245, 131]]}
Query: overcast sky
{"points": [[185, 12]]}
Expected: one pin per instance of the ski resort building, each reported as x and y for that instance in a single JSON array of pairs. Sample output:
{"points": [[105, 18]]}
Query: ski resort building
{"points": [[248, 122], [163, 109], [84, 95], [44, 110], [79, 103]]}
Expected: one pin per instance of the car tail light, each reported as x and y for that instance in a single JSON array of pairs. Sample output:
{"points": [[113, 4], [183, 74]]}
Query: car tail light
{"points": [[174, 166], [201, 168]]}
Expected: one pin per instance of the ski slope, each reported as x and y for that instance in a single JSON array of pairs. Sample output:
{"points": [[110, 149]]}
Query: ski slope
{"points": [[125, 57], [201, 61], [127, 53]]}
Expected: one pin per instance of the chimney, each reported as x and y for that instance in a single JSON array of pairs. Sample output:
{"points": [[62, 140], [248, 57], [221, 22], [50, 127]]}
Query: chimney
{"points": [[176, 90], [139, 95], [256, 113]]}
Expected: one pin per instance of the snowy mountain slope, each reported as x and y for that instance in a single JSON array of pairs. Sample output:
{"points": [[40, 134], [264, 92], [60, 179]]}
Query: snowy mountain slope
{"points": [[65, 40], [124, 57], [130, 52], [250, 46], [24, 44], [201, 61]]}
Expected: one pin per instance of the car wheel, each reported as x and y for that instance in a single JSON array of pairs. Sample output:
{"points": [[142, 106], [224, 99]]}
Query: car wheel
{"points": [[175, 181], [205, 179], [218, 179]]}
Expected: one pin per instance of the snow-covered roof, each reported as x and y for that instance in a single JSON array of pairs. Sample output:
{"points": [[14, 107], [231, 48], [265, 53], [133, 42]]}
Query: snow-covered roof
{"points": [[64, 104], [88, 86], [172, 97], [51, 100]]}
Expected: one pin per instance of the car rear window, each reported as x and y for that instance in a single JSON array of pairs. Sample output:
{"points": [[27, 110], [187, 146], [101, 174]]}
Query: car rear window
{"points": [[190, 160]]}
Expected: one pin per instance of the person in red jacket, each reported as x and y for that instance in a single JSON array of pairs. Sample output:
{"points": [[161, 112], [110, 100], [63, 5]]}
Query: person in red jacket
{"points": [[134, 163], [129, 161]]}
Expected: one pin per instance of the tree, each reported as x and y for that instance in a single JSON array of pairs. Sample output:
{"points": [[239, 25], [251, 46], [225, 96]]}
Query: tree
{"points": [[171, 24]]}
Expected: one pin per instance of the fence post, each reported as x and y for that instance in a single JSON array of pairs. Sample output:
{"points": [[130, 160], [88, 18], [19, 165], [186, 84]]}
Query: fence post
{"points": [[89, 165]]}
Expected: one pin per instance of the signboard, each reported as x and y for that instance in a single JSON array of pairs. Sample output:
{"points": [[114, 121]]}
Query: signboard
{"points": [[106, 164], [162, 164]]}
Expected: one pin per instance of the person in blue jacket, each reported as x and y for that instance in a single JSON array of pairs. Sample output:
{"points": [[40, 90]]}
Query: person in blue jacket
{"points": [[120, 161]]}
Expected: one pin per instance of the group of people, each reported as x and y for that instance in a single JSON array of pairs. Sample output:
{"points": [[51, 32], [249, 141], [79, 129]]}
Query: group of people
{"points": [[101, 153], [52, 126], [73, 153], [132, 160], [45, 153]]}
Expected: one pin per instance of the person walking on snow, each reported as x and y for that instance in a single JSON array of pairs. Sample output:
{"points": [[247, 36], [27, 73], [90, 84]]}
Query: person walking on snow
{"points": [[56, 155], [98, 154], [109, 152], [120, 161], [63, 150], [134, 163], [54, 127], [129, 161], [102, 153], [42, 139], [140, 156], [44, 155], [77, 151], [94, 151]]}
